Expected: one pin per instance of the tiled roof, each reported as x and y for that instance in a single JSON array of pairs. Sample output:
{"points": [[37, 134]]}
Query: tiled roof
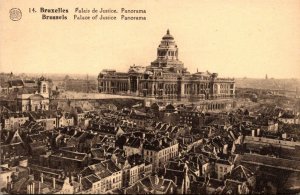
{"points": [[17, 82], [43, 115], [175, 175], [98, 153], [240, 173], [133, 142], [135, 159], [149, 185], [71, 155], [93, 178], [86, 184], [111, 166], [48, 170]]}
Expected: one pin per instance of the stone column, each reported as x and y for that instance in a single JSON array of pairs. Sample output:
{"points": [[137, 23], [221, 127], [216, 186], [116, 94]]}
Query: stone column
{"points": [[152, 89], [182, 89], [109, 86], [137, 85], [128, 88]]}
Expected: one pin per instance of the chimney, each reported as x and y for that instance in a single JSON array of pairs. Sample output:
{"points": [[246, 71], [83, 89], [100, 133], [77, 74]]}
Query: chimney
{"points": [[79, 180], [284, 136], [253, 133], [54, 183], [33, 188], [225, 148], [258, 132], [116, 160], [156, 180], [72, 178], [42, 177], [28, 189]]}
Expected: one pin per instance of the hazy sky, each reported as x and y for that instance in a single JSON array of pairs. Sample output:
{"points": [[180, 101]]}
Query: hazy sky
{"points": [[232, 37]]}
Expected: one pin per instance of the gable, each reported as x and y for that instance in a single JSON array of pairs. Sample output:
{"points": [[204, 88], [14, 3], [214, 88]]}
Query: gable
{"points": [[16, 138]]}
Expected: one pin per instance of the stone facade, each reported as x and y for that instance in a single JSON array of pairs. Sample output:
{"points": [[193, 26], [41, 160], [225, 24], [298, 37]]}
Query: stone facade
{"points": [[35, 101], [166, 78]]}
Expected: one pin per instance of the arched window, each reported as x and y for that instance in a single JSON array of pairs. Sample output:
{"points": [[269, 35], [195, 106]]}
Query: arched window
{"points": [[44, 88]]}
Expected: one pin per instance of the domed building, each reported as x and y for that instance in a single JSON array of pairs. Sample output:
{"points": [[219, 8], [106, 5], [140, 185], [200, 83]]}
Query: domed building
{"points": [[167, 79]]}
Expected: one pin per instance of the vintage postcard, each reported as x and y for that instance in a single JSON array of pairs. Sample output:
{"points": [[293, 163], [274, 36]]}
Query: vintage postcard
{"points": [[150, 97]]}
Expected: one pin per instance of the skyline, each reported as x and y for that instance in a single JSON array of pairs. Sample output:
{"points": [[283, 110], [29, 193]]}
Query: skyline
{"points": [[235, 39]]}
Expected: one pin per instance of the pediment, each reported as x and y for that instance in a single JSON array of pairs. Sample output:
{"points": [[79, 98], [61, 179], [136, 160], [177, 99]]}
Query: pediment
{"points": [[36, 97]]}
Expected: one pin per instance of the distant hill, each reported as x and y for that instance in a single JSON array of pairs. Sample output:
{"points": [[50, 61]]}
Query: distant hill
{"points": [[54, 76], [287, 84]]}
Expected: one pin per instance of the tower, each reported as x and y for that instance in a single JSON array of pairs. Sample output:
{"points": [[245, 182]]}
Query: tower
{"points": [[167, 56], [167, 49], [44, 87]]}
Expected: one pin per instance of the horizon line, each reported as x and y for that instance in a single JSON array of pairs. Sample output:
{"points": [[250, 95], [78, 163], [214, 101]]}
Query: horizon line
{"points": [[93, 74]]}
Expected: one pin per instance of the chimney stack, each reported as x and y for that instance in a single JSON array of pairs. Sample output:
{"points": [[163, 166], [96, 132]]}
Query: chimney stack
{"points": [[225, 148], [54, 183], [28, 189], [253, 133], [258, 132], [42, 177], [79, 180], [156, 180], [33, 188]]}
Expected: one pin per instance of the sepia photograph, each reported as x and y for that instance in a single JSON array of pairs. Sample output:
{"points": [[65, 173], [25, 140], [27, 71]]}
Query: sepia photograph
{"points": [[150, 97]]}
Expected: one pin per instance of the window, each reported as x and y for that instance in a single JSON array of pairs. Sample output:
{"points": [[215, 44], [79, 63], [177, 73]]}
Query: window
{"points": [[44, 88]]}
